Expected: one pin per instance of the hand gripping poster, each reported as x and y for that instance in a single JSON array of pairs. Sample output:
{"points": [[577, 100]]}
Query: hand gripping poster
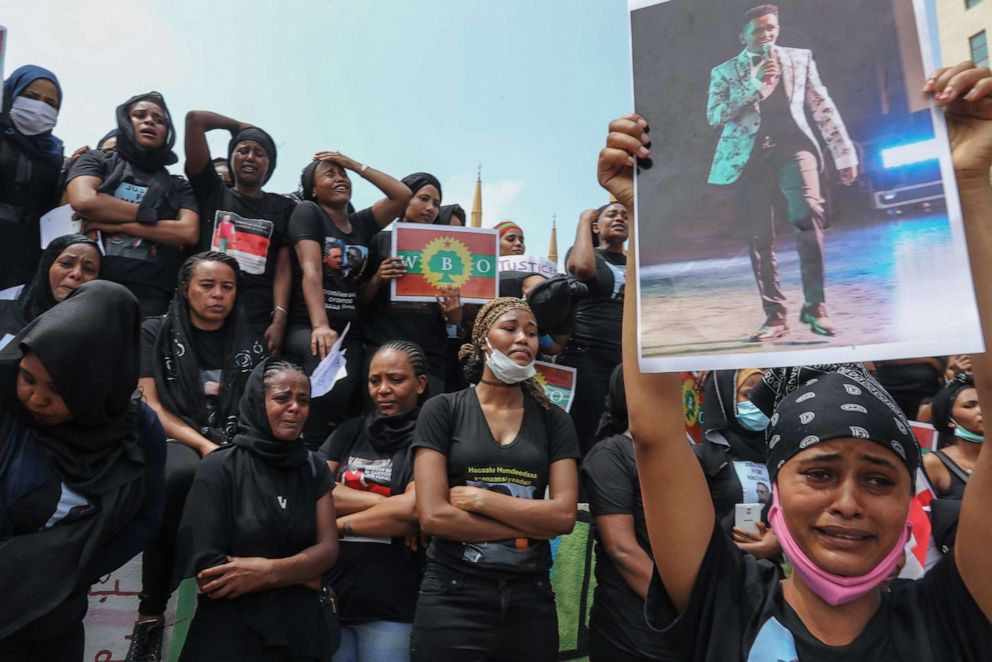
{"points": [[800, 206], [439, 257]]}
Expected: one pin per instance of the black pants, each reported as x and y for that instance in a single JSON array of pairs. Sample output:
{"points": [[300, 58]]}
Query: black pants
{"points": [[159, 558], [776, 176], [594, 365], [344, 401], [467, 619]]}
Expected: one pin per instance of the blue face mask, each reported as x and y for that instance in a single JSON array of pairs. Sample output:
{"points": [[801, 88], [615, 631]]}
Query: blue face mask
{"points": [[967, 435], [750, 417]]}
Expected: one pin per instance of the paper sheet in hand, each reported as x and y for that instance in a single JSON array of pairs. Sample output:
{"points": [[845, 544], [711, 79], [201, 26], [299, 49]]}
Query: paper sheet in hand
{"points": [[56, 223], [330, 370], [743, 216]]}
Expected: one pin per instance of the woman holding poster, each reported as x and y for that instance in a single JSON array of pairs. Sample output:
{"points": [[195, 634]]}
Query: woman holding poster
{"points": [[424, 323], [842, 461], [485, 456]]}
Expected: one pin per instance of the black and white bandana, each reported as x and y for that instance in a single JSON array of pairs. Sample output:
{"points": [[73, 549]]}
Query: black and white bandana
{"points": [[832, 402]]}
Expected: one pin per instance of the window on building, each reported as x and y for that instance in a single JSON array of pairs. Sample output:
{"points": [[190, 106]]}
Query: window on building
{"points": [[968, 4], [979, 44]]}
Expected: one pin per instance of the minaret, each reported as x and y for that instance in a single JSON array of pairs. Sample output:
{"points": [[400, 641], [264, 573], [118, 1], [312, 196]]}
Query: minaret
{"points": [[475, 219], [553, 246]]}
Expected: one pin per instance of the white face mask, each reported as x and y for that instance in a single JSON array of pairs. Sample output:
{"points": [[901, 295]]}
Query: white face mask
{"points": [[506, 369], [32, 117]]}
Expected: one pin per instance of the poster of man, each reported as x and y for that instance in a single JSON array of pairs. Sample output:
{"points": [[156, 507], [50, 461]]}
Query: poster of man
{"points": [[799, 208]]}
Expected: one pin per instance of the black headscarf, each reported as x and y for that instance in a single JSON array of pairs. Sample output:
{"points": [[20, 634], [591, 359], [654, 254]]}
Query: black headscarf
{"points": [[819, 404], [37, 297], [107, 136], [224, 517], [89, 346], [419, 180], [720, 418], [177, 370], [126, 147], [447, 212], [255, 433], [263, 139], [942, 404]]}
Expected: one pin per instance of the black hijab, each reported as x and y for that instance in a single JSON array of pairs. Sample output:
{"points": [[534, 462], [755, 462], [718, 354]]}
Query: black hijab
{"points": [[128, 148], [37, 297], [419, 180], [942, 404], [263, 139], [177, 369], [720, 425], [249, 482], [89, 346], [255, 433]]}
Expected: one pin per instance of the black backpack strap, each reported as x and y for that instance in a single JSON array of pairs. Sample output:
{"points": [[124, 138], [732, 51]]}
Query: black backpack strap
{"points": [[952, 466]]}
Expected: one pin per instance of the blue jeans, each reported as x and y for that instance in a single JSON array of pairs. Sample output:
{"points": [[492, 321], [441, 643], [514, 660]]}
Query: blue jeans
{"points": [[378, 641]]}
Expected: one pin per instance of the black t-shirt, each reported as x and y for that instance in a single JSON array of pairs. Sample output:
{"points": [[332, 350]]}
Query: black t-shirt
{"points": [[132, 262], [344, 258], [376, 579], [29, 187], [252, 230], [736, 612], [453, 424], [387, 320], [610, 479], [209, 349], [599, 316]]}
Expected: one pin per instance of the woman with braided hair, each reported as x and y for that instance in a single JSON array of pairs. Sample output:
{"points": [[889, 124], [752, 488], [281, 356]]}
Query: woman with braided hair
{"points": [[485, 456], [377, 573]]}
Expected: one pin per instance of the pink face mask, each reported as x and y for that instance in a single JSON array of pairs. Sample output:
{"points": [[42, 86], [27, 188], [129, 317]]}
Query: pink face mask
{"points": [[832, 589]]}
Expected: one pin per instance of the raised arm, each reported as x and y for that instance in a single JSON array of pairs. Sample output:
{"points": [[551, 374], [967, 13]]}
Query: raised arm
{"points": [[677, 503], [582, 258], [966, 94], [397, 193], [198, 122]]}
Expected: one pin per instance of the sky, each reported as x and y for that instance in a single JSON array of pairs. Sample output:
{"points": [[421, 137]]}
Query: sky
{"points": [[525, 88]]}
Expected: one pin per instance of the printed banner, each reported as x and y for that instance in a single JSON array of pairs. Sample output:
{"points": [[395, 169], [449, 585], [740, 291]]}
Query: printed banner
{"points": [[528, 263], [692, 404], [558, 382], [445, 256], [244, 239], [802, 208]]}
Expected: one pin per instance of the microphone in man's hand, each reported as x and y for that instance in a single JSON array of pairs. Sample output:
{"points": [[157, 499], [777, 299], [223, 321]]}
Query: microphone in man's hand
{"points": [[766, 53]]}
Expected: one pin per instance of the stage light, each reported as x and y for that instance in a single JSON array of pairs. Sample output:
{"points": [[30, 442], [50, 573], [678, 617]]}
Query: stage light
{"points": [[902, 155]]}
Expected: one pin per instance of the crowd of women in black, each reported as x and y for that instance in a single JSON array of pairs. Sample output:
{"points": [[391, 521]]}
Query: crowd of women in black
{"points": [[155, 386]]}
